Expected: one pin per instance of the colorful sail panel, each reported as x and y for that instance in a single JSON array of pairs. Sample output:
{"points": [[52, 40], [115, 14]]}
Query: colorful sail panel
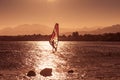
{"points": [[54, 37]]}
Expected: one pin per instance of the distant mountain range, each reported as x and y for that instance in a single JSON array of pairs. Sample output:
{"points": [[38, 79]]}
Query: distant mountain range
{"points": [[28, 29], [108, 29]]}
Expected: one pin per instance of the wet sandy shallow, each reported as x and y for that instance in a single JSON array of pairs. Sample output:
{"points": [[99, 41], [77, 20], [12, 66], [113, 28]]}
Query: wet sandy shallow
{"points": [[88, 60]]}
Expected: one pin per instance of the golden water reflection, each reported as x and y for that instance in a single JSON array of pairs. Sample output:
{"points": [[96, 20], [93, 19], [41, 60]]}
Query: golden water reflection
{"points": [[47, 59]]}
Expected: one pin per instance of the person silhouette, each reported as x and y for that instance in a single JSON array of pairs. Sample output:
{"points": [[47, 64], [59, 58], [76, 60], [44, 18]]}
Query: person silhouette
{"points": [[54, 45]]}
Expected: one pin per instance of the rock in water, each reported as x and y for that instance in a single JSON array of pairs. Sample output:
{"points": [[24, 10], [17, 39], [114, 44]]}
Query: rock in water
{"points": [[70, 71], [46, 72], [31, 73]]}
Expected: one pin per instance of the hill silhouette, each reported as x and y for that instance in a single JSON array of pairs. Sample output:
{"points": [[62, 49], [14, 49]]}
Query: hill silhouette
{"points": [[108, 29], [26, 29]]}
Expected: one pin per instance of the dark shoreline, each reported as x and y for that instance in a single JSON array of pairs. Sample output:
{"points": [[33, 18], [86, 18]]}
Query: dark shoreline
{"points": [[115, 37]]}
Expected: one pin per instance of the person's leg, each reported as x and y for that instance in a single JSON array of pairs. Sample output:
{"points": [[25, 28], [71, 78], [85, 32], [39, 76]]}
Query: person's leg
{"points": [[55, 49]]}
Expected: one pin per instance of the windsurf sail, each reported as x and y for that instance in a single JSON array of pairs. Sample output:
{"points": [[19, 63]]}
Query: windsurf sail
{"points": [[54, 37]]}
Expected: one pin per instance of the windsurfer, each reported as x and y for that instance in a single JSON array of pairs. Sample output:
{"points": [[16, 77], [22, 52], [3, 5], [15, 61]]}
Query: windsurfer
{"points": [[54, 37], [54, 46]]}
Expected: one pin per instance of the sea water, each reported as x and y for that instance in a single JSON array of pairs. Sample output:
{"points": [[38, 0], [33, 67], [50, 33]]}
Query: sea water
{"points": [[85, 60]]}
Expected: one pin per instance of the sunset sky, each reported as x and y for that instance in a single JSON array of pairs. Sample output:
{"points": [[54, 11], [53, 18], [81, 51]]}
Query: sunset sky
{"points": [[70, 14]]}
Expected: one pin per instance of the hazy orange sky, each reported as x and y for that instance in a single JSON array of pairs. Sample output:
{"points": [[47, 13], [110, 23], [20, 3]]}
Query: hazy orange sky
{"points": [[68, 13]]}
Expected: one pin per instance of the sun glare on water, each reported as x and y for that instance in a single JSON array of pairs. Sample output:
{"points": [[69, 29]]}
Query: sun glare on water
{"points": [[48, 59]]}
